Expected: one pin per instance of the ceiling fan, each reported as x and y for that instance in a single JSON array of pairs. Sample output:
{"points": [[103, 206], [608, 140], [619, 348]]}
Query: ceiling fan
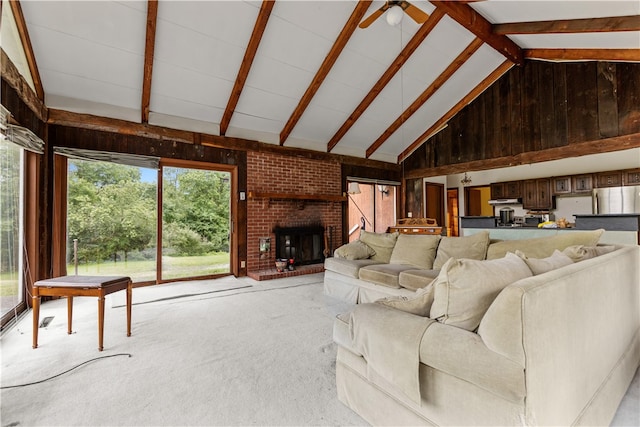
{"points": [[402, 6]]}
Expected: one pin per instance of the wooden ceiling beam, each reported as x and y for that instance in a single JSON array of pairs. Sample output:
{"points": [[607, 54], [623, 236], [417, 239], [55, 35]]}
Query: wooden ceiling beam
{"points": [[623, 55], [327, 64], [397, 64], [11, 75], [149, 48], [247, 61], [466, 16], [18, 16], [426, 94], [618, 143], [481, 87], [590, 25], [124, 127]]}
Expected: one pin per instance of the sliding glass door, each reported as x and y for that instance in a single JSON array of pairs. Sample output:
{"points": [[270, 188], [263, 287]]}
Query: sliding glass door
{"points": [[195, 222], [372, 207], [113, 227], [11, 225]]}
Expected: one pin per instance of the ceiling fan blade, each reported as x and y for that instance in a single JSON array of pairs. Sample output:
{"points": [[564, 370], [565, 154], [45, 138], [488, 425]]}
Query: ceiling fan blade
{"points": [[414, 12], [375, 15]]}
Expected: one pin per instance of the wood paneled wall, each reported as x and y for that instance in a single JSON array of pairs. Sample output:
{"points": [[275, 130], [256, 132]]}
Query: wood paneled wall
{"points": [[539, 106], [541, 111]]}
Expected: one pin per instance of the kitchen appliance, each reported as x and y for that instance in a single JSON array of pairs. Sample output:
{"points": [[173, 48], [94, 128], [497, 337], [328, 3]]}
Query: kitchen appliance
{"points": [[494, 202], [506, 216], [532, 220], [616, 200]]}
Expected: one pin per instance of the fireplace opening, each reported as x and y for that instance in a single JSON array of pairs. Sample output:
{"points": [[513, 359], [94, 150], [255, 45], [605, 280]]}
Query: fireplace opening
{"points": [[305, 245]]}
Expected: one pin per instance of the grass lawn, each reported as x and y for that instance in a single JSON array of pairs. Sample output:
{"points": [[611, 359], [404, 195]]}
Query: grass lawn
{"points": [[173, 267], [139, 271]]}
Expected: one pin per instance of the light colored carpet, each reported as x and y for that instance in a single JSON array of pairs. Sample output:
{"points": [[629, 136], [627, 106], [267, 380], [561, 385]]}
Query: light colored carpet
{"points": [[253, 356], [222, 352]]}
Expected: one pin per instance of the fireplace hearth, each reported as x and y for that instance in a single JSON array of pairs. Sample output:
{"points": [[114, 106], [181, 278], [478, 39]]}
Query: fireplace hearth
{"points": [[305, 245]]}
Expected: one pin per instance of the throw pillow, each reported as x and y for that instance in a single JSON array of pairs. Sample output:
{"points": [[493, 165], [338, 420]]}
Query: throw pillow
{"points": [[354, 250], [381, 243], [420, 304], [416, 250], [542, 265], [581, 252], [465, 288], [469, 247], [542, 247]]}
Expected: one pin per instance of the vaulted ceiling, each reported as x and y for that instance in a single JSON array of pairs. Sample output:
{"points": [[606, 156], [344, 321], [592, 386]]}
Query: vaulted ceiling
{"points": [[300, 73]]}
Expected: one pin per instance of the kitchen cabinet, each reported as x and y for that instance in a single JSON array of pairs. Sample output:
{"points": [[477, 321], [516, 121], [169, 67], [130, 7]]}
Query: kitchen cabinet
{"points": [[632, 177], [561, 185], [581, 183], [537, 194], [506, 190], [609, 179]]}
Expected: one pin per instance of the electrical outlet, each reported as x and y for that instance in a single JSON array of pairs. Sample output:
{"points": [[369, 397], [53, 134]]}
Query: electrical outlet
{"points": [[243, 195], [243, 264], [409, 214]]}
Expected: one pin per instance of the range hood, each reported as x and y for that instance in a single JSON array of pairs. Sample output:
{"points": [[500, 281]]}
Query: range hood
{"points": [[505, 202]]}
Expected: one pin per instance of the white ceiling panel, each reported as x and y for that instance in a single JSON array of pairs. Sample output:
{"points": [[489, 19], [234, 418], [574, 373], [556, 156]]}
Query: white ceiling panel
{"points": [[621, 40], [90, 57], [502, 11]]}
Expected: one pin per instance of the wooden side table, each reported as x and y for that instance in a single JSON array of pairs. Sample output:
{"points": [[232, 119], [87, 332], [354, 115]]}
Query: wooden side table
{"points": [[80, 286]]}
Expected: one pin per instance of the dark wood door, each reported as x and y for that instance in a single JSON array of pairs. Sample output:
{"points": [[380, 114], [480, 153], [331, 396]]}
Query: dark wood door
{"points": [[434, 201]]}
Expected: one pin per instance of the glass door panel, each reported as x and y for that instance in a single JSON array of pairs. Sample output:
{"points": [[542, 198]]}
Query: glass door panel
{"points": [[372, 209], [195, 222], [11, 223], [111, 220]]}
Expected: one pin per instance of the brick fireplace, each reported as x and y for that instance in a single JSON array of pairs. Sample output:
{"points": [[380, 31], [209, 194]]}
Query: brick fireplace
{"points": [[270, 173]]}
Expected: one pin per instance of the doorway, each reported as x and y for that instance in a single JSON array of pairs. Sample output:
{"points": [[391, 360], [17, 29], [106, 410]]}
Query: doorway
{"points": [[477, 201], [452, 213], [434, 202]]}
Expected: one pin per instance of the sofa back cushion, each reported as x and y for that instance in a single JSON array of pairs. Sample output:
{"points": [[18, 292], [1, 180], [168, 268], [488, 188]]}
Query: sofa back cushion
{"points": [[542, 247], [465, 288], [581, 252], [469, 247], [542, 265], [381, 243], [419, 304], [416, 250]]}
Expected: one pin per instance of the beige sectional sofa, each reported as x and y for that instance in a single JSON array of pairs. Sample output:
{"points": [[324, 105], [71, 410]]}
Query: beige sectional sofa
{"points": [[381, 265], [526, 338]]}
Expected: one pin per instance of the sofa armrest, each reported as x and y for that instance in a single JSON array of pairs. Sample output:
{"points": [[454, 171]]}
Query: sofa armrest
{"points": [[463, 354]]}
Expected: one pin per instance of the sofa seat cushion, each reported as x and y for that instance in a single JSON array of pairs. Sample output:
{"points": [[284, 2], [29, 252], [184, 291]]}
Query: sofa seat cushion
{"points": [[416, 250], [469, 247], [381, 243], [542, 247], [416, 279], [463, 354], [347, 267], [465, 288], [383, 274]]}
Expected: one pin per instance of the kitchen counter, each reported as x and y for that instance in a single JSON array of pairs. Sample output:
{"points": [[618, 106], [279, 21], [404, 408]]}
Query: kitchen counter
{"points": [[613, 222], [478, 221], [609, 237]]}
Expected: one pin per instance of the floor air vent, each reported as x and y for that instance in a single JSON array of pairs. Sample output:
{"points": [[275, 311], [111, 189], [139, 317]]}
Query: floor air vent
{"points": [[45, 322]]}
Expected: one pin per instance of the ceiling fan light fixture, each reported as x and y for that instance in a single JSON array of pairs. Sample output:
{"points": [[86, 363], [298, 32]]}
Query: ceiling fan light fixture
{"points": [[394, 15]]}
